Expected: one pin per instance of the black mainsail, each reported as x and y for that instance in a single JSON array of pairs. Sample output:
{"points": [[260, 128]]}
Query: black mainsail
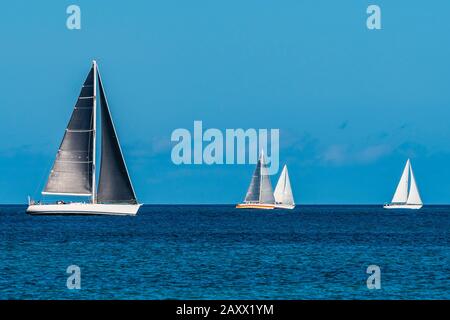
{"points": [[254, 189], [72, 170], [114, 181]]}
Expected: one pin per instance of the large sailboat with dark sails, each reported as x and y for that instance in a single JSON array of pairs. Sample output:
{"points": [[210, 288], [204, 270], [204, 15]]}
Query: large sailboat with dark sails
{"points": [[259, 194], [74, 169]]}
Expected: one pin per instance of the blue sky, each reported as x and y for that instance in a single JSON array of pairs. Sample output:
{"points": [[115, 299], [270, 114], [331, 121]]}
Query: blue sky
{"points": [[351, 104]]}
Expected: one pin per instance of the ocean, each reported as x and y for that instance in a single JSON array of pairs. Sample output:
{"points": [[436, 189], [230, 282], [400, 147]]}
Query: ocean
{"points": [[219, 252]]}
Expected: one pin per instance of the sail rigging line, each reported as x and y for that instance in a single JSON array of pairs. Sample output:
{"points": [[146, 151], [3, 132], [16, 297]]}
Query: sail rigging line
{"points": [[260, 175], [67, 194], [87, 130], [93, 133]]}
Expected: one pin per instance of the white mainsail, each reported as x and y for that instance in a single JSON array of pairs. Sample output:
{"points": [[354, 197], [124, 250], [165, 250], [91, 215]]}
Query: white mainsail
{"points": [[414, 196], [283, 190], [401, 193]]}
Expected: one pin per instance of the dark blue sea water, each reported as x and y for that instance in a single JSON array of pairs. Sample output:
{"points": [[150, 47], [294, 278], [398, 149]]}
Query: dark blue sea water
{"points": [[218, 252]]}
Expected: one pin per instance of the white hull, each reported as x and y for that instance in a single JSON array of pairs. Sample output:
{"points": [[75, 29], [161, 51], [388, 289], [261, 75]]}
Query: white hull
{"points": [[284, 206], [403, 206], [83, 209]]}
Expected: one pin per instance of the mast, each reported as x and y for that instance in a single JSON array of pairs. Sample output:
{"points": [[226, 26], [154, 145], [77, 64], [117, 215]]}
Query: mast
{"points": [[260, 174], [94, 132]]}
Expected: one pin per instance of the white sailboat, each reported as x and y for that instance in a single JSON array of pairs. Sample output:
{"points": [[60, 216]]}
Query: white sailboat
{"points": [[260, 193], [283, 192], [404, 198], [74, 169]]}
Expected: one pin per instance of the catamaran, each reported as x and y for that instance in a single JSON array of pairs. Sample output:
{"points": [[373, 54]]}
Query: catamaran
{"points": [[74, 169], [404, 198], [283, 192], [260, 193]]}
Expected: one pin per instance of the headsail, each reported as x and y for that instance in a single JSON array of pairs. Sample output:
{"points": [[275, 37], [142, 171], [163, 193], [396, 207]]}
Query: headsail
{"points": [[71, 173], [283, 191], [401, 193], [414, 196], [266, 192], [114, 182], [260, 189]]}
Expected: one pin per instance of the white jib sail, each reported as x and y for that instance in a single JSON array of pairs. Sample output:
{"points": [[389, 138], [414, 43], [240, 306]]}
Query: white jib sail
{"points": [[283, 190], [414, 196], [401, 193]]}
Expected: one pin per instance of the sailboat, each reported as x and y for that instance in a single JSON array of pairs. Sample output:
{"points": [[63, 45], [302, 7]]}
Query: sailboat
{"points": [[283, 191], [260, 193], [74, 169], [404, 198]]}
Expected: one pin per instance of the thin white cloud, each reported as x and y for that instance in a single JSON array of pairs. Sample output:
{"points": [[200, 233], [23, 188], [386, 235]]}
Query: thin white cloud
{"points": [[345, 155]]}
